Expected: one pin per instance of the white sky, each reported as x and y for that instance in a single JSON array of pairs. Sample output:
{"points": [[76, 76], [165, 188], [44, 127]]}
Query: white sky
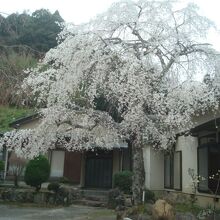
{"points": [[78, 11]]}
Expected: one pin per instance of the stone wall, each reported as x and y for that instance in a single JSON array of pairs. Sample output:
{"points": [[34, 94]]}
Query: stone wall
{"points": [[64, 196]]}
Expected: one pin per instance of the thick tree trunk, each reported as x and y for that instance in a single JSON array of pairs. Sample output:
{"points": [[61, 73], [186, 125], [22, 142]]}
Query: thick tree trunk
{"points": [[138, 172], [16, 180]]}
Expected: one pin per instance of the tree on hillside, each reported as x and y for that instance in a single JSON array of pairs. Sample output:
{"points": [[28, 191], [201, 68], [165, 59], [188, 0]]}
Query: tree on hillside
{"points": [[125, 75], [24, 38], [37, 30], [12, 66], [42, 30]]}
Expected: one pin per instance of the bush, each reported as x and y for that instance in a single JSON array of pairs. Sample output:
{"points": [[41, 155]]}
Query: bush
{"points": [[64, 180], [123, 180], [2, 165], [17, 166], [115, 199], [37, 172], [149, 196], [53, 187]]}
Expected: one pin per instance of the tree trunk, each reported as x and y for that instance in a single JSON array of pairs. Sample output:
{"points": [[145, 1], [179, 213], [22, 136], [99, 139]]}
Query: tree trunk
{"points": [[138, 172], [16, 180], [38, 187]]}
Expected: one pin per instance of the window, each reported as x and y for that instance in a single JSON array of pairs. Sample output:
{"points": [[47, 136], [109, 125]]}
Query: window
{"points": [[173, 171], [168, 172], [208, 165], [177, 161]]}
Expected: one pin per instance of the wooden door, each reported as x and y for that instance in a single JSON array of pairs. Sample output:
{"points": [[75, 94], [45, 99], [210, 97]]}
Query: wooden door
{"points": [[99, 169], [72, 166]]}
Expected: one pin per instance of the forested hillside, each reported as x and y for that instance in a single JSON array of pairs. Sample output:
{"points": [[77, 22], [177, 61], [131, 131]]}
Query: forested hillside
{"points": [[24, 39], [37, 30]]}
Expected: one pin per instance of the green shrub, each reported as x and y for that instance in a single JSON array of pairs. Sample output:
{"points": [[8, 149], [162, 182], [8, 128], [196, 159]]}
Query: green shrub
{"points": [[149, 195], [53, 187], [37, 172], [64, 180], [123, 180], [2, 165]]}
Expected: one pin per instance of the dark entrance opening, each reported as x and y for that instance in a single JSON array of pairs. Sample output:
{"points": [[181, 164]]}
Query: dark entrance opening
{"points": [[98, 170]]}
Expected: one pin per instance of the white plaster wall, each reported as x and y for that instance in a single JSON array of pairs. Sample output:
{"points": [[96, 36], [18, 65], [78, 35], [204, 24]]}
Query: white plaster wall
{"points": [[154, 168], [157, 170], [188, 145], [146, 155], [57, 163]]}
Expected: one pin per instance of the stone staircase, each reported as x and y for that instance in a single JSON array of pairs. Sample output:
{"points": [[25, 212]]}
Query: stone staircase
{"points": [[93, 197]]}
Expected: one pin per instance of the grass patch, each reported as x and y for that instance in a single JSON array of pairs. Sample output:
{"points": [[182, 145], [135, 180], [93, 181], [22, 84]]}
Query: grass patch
{"points": [[187, 207], [10, 114]]}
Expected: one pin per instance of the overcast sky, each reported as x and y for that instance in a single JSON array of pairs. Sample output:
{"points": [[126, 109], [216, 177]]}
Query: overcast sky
{"points": [[78, 11]]}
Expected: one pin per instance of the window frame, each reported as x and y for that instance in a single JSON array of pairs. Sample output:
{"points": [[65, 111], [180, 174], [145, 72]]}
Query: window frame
{"points": [[207, 146], [198, 170], [172, 173]]}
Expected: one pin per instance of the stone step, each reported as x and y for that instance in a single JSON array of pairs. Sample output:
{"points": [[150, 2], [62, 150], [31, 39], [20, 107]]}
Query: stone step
{"points": [[94, 192], [95, 195], [90, 203], [96, 198]]}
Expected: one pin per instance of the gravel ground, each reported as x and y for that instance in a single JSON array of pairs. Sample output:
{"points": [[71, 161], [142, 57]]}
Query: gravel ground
{"points": [[14, 212]]}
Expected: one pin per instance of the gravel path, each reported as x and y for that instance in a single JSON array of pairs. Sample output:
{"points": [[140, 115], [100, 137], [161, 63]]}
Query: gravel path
{"points": [[13, 212]]}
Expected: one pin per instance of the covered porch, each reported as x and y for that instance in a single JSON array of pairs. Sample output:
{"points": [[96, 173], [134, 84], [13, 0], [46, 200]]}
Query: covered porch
{"points": [[90, 169]]}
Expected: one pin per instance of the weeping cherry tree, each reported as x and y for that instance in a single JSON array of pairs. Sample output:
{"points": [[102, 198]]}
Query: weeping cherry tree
{"points": [[129, 74]]}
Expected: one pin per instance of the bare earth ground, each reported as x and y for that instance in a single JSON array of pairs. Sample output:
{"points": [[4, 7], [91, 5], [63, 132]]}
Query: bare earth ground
{"points": [[73, 212]]}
